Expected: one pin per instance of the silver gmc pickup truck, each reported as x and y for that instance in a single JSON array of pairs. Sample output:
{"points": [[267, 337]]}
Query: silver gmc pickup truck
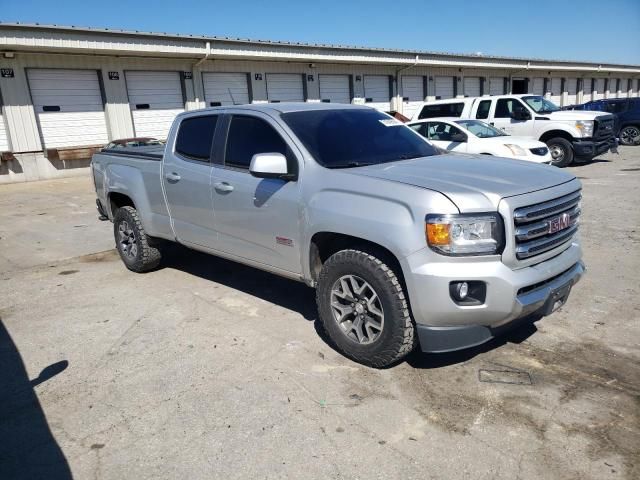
{"points": [[404, 245]]}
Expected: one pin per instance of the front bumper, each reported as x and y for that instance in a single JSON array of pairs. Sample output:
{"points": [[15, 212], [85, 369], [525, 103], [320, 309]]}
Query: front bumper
{"points": [[511, 294], [587, 148]]}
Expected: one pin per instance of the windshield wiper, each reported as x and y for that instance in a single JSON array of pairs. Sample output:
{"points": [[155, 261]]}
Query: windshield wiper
{"points": [[350, 164]]}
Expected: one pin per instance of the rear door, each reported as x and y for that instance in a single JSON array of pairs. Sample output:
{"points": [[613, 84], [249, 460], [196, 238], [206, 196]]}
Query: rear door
{"points": [[377, 92], [412, 94], [222, 89], [285, 87], [186, 180], [335, 88], [69, 107], [257, 218], [155, 98]]}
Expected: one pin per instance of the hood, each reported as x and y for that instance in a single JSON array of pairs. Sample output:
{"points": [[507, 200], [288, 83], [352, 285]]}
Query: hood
{"points": [[472, 182], [568, 115]]}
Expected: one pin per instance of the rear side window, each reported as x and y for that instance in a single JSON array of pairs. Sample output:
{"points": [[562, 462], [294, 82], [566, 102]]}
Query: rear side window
{"points": [[442, 110], [195, 137], [483, 109], [249, 136]]}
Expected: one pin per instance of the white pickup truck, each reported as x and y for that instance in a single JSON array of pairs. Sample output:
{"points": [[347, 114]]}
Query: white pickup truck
{"points": [[568, 134]]}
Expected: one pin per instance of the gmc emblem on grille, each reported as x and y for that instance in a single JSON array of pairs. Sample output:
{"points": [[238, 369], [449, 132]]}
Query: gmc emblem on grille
{"points": [[559, 223]]}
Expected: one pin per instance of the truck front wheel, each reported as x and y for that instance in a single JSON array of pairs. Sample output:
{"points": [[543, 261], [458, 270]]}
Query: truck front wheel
{"points": [[133, 244], [561, 152], [630, 135], [364, 310]]}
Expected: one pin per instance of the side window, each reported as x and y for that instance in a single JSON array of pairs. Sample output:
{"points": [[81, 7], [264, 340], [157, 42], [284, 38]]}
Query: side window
{"points": [[506, 106], [195, 137], [442, 110], [442, 131], [483, 109], [420, 128], [248, 136]]}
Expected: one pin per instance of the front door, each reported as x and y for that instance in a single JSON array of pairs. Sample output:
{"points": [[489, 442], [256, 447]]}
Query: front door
{"points": [[441, 135], [186, 179], [256, 218], [502, 117]]}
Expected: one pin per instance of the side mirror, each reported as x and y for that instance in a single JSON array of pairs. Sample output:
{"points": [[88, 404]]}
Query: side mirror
{"points": [[458, 138], [270, 165], [520, 115]]}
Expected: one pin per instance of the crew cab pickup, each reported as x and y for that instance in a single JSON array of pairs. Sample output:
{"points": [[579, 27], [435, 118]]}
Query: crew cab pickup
{"points": [[404, 246], [569, 135]]}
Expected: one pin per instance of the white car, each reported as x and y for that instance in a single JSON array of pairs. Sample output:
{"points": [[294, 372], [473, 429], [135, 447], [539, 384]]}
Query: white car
{"points": [[476, 136]]}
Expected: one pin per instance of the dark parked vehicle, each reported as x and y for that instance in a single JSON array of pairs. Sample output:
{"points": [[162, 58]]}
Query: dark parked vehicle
{"points": [[627, 111]]}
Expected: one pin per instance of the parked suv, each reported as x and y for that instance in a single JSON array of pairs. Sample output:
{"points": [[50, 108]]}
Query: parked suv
{"points": [[627, 111], [569, 135]]}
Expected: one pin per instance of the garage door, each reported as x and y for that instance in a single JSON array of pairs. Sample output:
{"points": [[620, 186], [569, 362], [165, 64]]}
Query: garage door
{"points": [[155, 99], [471, 86], [624, 88], [555, 87], [599, 90], [496, 86], [537, 86], [225, 89], [377, 92], [444, 87], [586, 90], [571, 86], [4, 140], [285, 87], [412, 94], [335, 88], [68, 106]]}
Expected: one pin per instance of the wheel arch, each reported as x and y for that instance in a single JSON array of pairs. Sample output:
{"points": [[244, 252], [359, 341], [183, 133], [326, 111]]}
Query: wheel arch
{"points": [[546, 136]]}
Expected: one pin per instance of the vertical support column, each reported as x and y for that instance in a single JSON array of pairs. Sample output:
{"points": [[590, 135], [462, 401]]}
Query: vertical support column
{"points": [[258, 87], [312, 86], [117, 110]]}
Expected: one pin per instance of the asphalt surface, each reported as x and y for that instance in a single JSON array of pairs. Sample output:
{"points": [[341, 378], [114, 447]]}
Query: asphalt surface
{"points": [[209, 369]]}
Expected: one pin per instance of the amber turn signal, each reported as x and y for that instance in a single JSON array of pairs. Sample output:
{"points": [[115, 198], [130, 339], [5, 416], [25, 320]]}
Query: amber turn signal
{"points": [[438, 234]]}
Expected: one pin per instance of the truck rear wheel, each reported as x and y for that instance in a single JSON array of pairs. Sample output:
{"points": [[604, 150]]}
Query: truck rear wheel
{"points": [[630, 135], [363, 309], [133, 244], [561, 152]]}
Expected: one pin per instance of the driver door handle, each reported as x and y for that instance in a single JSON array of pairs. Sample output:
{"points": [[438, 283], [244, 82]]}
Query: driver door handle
{"points": [[173, 177], [223, 187]]}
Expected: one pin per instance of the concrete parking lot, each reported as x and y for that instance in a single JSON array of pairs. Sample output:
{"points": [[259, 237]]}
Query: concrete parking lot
{"points": [[209, 369]]}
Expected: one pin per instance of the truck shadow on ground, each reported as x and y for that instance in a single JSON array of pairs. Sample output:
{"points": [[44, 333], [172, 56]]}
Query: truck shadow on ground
{"points": [[27, 447], [297, 297], [289, 294]]}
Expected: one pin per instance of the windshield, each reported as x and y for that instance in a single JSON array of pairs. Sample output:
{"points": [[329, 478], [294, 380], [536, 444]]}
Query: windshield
{"points": [[541, 104], [343, 138], [481, 129]]}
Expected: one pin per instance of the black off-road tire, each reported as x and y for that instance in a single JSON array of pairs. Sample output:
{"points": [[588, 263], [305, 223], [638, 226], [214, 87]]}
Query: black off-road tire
{"points": [[147, 256], [397, 338], [564, 145]]}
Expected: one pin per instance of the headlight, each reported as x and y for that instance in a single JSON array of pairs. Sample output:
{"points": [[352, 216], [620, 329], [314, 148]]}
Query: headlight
{"points": [[516, 149], [465, 234], [585, 127]]}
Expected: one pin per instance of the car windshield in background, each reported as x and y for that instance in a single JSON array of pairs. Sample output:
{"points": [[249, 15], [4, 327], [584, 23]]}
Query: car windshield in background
{"points": [[481, 129], [541, 104], [344, 138]]}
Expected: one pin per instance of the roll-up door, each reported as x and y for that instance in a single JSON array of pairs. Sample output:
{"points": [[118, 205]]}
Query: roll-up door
{"points": [[4, 138], [334, 88], [444, 87], [68, 106], [155, 99], [471, 86], [555, 87], [225, 89], [599, 90], [496, 86], [377, 92], [412, 94], [571, 86], [537, 86], [624, 88], [285, 87], [614, 90], [586, 90]]}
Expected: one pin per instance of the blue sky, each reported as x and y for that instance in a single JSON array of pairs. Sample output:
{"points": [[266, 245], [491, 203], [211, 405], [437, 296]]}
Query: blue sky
{"points": [[592, 30]]}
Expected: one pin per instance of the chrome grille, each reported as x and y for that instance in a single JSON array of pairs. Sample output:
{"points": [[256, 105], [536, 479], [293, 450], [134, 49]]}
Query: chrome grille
{"points": [[544, 226]]}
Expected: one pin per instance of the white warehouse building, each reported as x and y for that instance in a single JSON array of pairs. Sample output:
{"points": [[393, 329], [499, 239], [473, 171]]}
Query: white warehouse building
{"points": [[65, 91]]}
